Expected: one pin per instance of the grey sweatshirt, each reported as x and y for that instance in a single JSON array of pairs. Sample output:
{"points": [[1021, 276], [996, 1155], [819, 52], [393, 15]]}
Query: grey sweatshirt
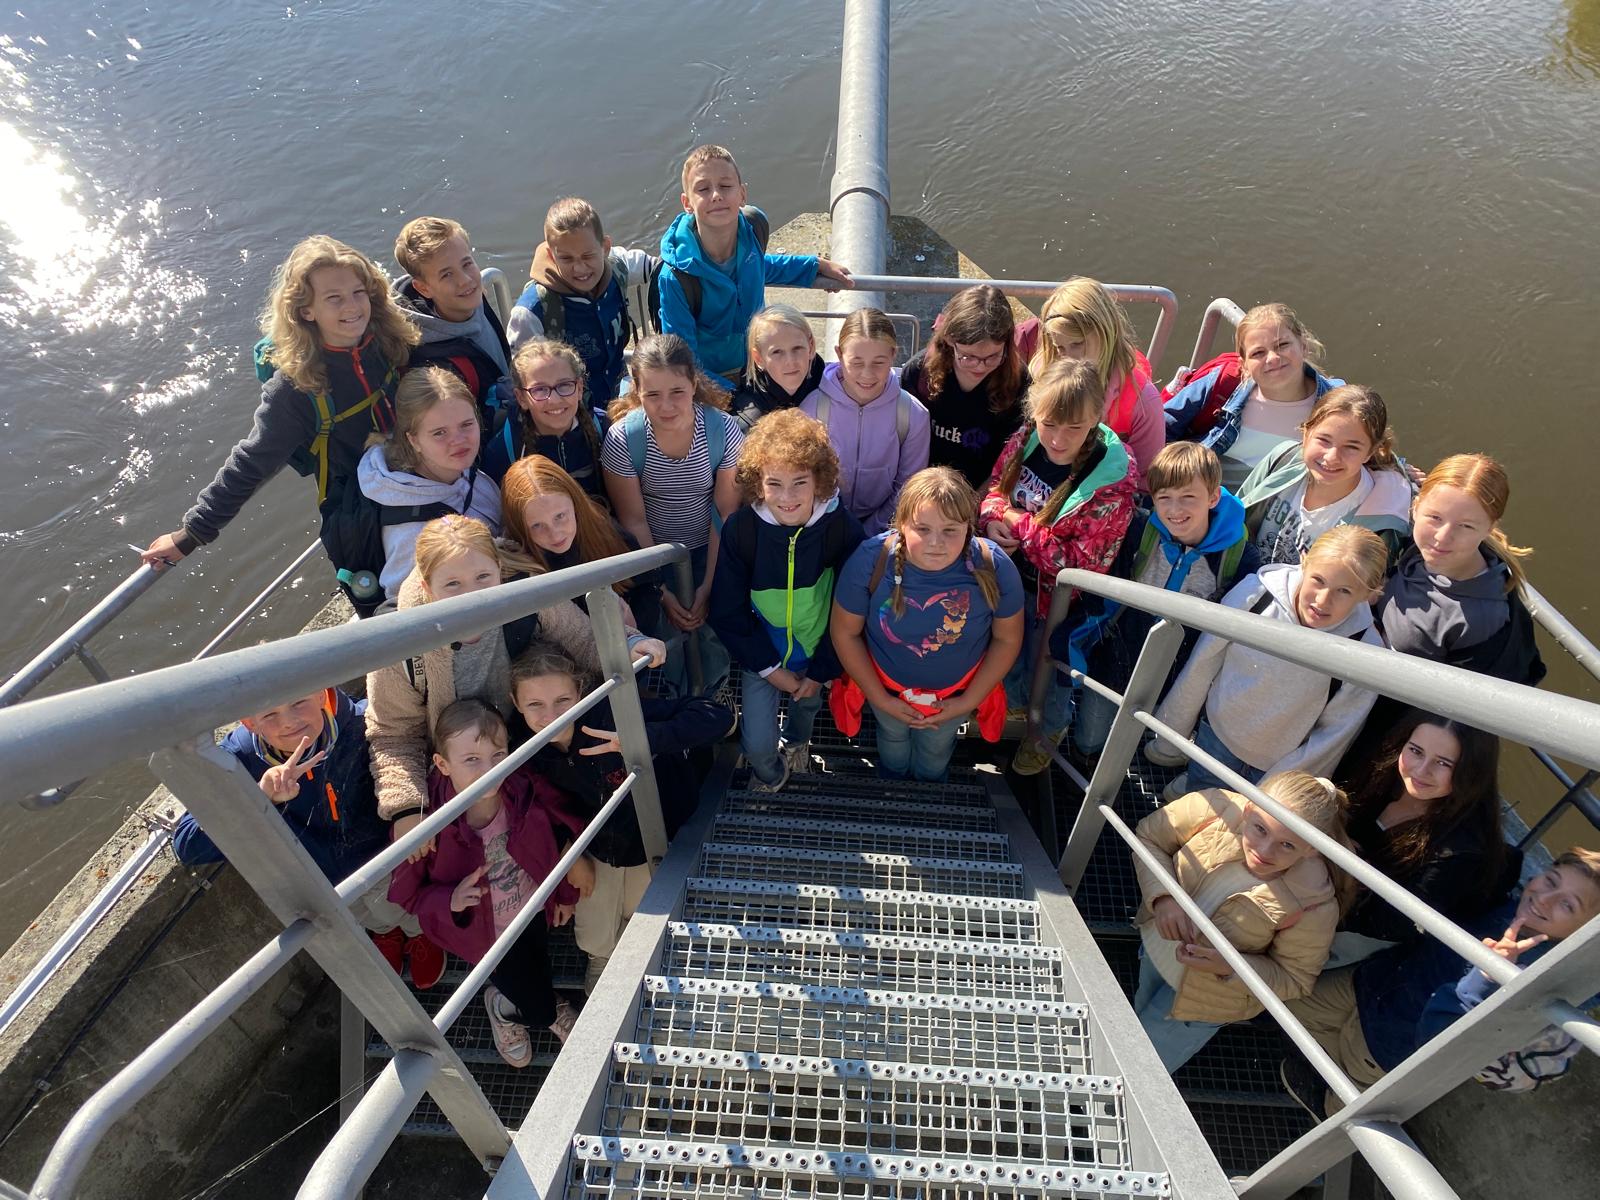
{"points": [[401, 488], [1273, 714], [1432, 615], [435, 328]]}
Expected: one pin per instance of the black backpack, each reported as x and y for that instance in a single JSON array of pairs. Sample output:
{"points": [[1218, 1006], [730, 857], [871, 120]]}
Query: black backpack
{"points": [[690, 283], [352, 534]]}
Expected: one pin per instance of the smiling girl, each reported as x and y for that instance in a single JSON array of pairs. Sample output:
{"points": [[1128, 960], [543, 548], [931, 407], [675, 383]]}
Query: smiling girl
{"points": [[551, 417], [784, 366], [1257, 713], [1342, 471], [429, 460]]}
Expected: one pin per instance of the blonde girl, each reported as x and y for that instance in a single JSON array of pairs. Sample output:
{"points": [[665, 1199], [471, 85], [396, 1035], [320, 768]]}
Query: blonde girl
{"points": [[551, 416], [784, 366], [1243, 404], [1257, 713], [427, 465], [880, 431], [334, 341], [456, 556], [1454, 595], [927, 620], [1082, 320], [669, 461], [1267, 890], [972, 378], [1342, 471]]}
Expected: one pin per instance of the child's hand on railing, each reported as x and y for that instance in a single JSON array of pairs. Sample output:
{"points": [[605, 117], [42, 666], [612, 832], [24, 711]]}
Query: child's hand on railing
{"points": [[654, 649], [684, 618], [404, 825], [282, 783], [468, 892], [835, 273], [1172, 922], [581, 876], [607, 743], [163, 552]]}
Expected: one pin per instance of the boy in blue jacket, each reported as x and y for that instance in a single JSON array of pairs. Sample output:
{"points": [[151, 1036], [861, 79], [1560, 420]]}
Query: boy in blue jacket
{"points": [[310, 759], [713, 242], [1193, 543]]}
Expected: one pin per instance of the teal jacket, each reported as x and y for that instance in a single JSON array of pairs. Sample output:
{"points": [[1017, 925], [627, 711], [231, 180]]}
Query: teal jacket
{"points": [[1386, 510]]}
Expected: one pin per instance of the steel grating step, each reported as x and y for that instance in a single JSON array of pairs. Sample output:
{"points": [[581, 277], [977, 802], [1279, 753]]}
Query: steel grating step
{"points": [[809, 833], [887, 1026], [903, 1109], [604, 1167], [863, 910], [958, 792], [951, 967], [856, 869], [926, 817]]}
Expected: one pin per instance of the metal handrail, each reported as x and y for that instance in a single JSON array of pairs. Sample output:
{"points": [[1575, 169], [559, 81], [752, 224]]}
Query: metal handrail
{"points": [[71, 641], [1125, 293]]}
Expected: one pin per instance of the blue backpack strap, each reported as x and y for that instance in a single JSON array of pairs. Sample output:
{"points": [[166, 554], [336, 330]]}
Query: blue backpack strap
{"points": [[633, 433], [716, 447]]}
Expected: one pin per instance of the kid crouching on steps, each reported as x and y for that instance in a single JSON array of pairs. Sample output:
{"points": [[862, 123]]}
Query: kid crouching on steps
{"points": [[586, 764], [484, 867], [1262, 715], [881, 431], [1268, 892], [927, 620], [781, 555]]}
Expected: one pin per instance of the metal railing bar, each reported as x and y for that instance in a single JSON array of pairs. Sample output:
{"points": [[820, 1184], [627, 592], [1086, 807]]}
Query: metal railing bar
{"points": [[364, 1137], [1094, 685], [97, 726], [1216, 312], [90, 663], [531, 908], [1351, 863], [111, 605], [89, 1125], [1577, 795], [266, 594], [1067, 769], [1567, 635], [1398, 1161], [1560, 724], [1296, 1032], [1575, 1023]]}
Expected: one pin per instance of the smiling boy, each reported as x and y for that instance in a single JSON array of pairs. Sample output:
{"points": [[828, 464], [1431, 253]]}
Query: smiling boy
{"points": [[713, 241], [442, 293]]}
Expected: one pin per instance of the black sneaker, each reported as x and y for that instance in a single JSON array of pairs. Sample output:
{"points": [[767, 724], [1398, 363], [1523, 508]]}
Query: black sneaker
{"points": [[1305, 1087]]}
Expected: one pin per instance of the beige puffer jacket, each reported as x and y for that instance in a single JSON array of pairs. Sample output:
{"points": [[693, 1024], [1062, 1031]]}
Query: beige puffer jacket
{"points": [[1285, 925], [400, 713]]}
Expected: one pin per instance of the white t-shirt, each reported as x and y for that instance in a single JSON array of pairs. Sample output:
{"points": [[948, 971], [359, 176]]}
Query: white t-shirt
{"points": [[1289, 527], [1264, 426]]}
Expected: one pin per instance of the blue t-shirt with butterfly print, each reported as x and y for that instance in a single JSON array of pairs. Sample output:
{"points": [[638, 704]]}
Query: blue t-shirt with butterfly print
{"points": [[944, 631]]}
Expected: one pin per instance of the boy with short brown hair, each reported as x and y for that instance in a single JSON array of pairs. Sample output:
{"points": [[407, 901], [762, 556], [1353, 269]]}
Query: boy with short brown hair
{"points": [[442, 293]]}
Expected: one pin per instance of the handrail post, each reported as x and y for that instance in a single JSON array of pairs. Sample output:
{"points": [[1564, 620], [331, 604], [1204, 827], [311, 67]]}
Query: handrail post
{"points": [[605, 614], [1122, 741], [683, 588], [44, 664], [858, 197], [353, 1153]]}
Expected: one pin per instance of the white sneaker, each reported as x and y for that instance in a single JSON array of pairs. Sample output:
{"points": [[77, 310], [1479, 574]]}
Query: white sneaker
{"points": [[566, 1018], [799, 758], [510, 1037], [770, 788], [1164, 755]]}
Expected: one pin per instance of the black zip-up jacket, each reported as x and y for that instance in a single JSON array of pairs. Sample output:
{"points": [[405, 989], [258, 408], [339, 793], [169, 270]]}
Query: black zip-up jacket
{"points": [[757, 395]]}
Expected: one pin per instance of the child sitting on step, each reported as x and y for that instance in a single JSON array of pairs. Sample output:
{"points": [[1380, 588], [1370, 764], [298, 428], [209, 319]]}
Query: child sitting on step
{"points": [[781, 556], [880, 431], [484, 868], [1268, 891], [927, 620]]}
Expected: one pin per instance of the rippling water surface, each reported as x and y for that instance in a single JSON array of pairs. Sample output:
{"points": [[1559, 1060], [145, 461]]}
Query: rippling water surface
{"points": [[1419, 181]]}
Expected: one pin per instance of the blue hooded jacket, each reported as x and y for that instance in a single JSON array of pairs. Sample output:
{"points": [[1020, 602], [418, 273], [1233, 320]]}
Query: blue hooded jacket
{"points": [[717, 336]]}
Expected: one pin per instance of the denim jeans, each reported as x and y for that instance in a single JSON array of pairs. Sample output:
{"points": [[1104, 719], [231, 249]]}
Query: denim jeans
{"points": [[907, 753], [758, 724], [1092, 723], [1019, 679], [1206, 738], [1176, 1042]]}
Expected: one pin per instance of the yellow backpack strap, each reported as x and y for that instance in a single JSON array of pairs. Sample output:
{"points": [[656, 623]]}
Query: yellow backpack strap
{"points": [[326, 420]]}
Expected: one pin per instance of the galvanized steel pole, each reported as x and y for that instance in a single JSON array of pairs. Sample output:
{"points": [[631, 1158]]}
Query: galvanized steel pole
{"points": [[858, 198]]}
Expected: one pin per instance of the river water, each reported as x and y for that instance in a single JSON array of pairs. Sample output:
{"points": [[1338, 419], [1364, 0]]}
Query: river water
{"points": [[1420, 181]]}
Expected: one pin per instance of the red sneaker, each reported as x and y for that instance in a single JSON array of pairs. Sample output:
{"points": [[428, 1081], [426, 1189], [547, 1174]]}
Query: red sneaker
{"points": [[391, 945], [427, 962]]}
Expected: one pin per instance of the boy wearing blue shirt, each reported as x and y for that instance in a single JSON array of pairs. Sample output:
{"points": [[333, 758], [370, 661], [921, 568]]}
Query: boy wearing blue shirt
{"points": [[714, 245]]}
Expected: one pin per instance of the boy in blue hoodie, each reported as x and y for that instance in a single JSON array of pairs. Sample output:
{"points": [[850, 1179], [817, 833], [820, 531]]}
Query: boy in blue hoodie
{"points": [[310, 759], [1194, 543], [713, 242]]}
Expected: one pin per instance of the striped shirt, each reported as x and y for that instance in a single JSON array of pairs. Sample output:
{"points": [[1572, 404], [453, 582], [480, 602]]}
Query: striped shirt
{"points": [[677, 491]]}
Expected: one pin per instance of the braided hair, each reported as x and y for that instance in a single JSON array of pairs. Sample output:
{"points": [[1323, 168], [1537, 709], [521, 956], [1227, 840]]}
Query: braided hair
{"points": [[953, 497]]}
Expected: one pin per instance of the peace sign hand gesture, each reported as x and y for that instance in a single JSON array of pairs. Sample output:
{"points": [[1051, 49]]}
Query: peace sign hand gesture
{"points": [[1509, 946], [282, 783], [467, 892]]}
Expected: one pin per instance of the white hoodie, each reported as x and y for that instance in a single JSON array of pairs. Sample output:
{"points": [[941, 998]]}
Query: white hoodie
{"points": [[397, 489], [1273, 714]]}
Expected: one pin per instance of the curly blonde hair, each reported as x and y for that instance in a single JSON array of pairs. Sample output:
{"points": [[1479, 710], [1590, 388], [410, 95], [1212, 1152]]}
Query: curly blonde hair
{"points": [[296, 349], [787, 436]]}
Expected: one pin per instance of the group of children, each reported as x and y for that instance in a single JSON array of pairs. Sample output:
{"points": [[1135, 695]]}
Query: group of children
{"points": [[866, 535]]}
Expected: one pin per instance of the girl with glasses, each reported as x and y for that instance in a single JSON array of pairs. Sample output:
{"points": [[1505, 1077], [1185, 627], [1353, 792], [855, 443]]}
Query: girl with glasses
{"points": [[551, 417]]}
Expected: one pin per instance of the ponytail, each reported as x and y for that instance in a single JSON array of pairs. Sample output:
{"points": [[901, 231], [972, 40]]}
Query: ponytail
{"points": [[1484, 479]]}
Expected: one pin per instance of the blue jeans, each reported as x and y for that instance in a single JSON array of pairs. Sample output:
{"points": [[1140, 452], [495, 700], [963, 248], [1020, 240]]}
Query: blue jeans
{"points": [[907, 753], [1019, 679], [758, 724], [1206, 738], [1176, 1042], [715, 662], [1092, 724]]}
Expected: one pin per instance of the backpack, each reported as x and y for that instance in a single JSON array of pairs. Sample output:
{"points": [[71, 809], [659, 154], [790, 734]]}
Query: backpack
{"points": [[352, 533], [633, 431], [313, 459], [1227, 568], [692, 294], [635, 293], [902, 412], [1229, 375]]}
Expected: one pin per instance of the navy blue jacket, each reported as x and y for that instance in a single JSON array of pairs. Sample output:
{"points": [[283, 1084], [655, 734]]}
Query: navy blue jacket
{"points": [[514, 438], [335, 816]]}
